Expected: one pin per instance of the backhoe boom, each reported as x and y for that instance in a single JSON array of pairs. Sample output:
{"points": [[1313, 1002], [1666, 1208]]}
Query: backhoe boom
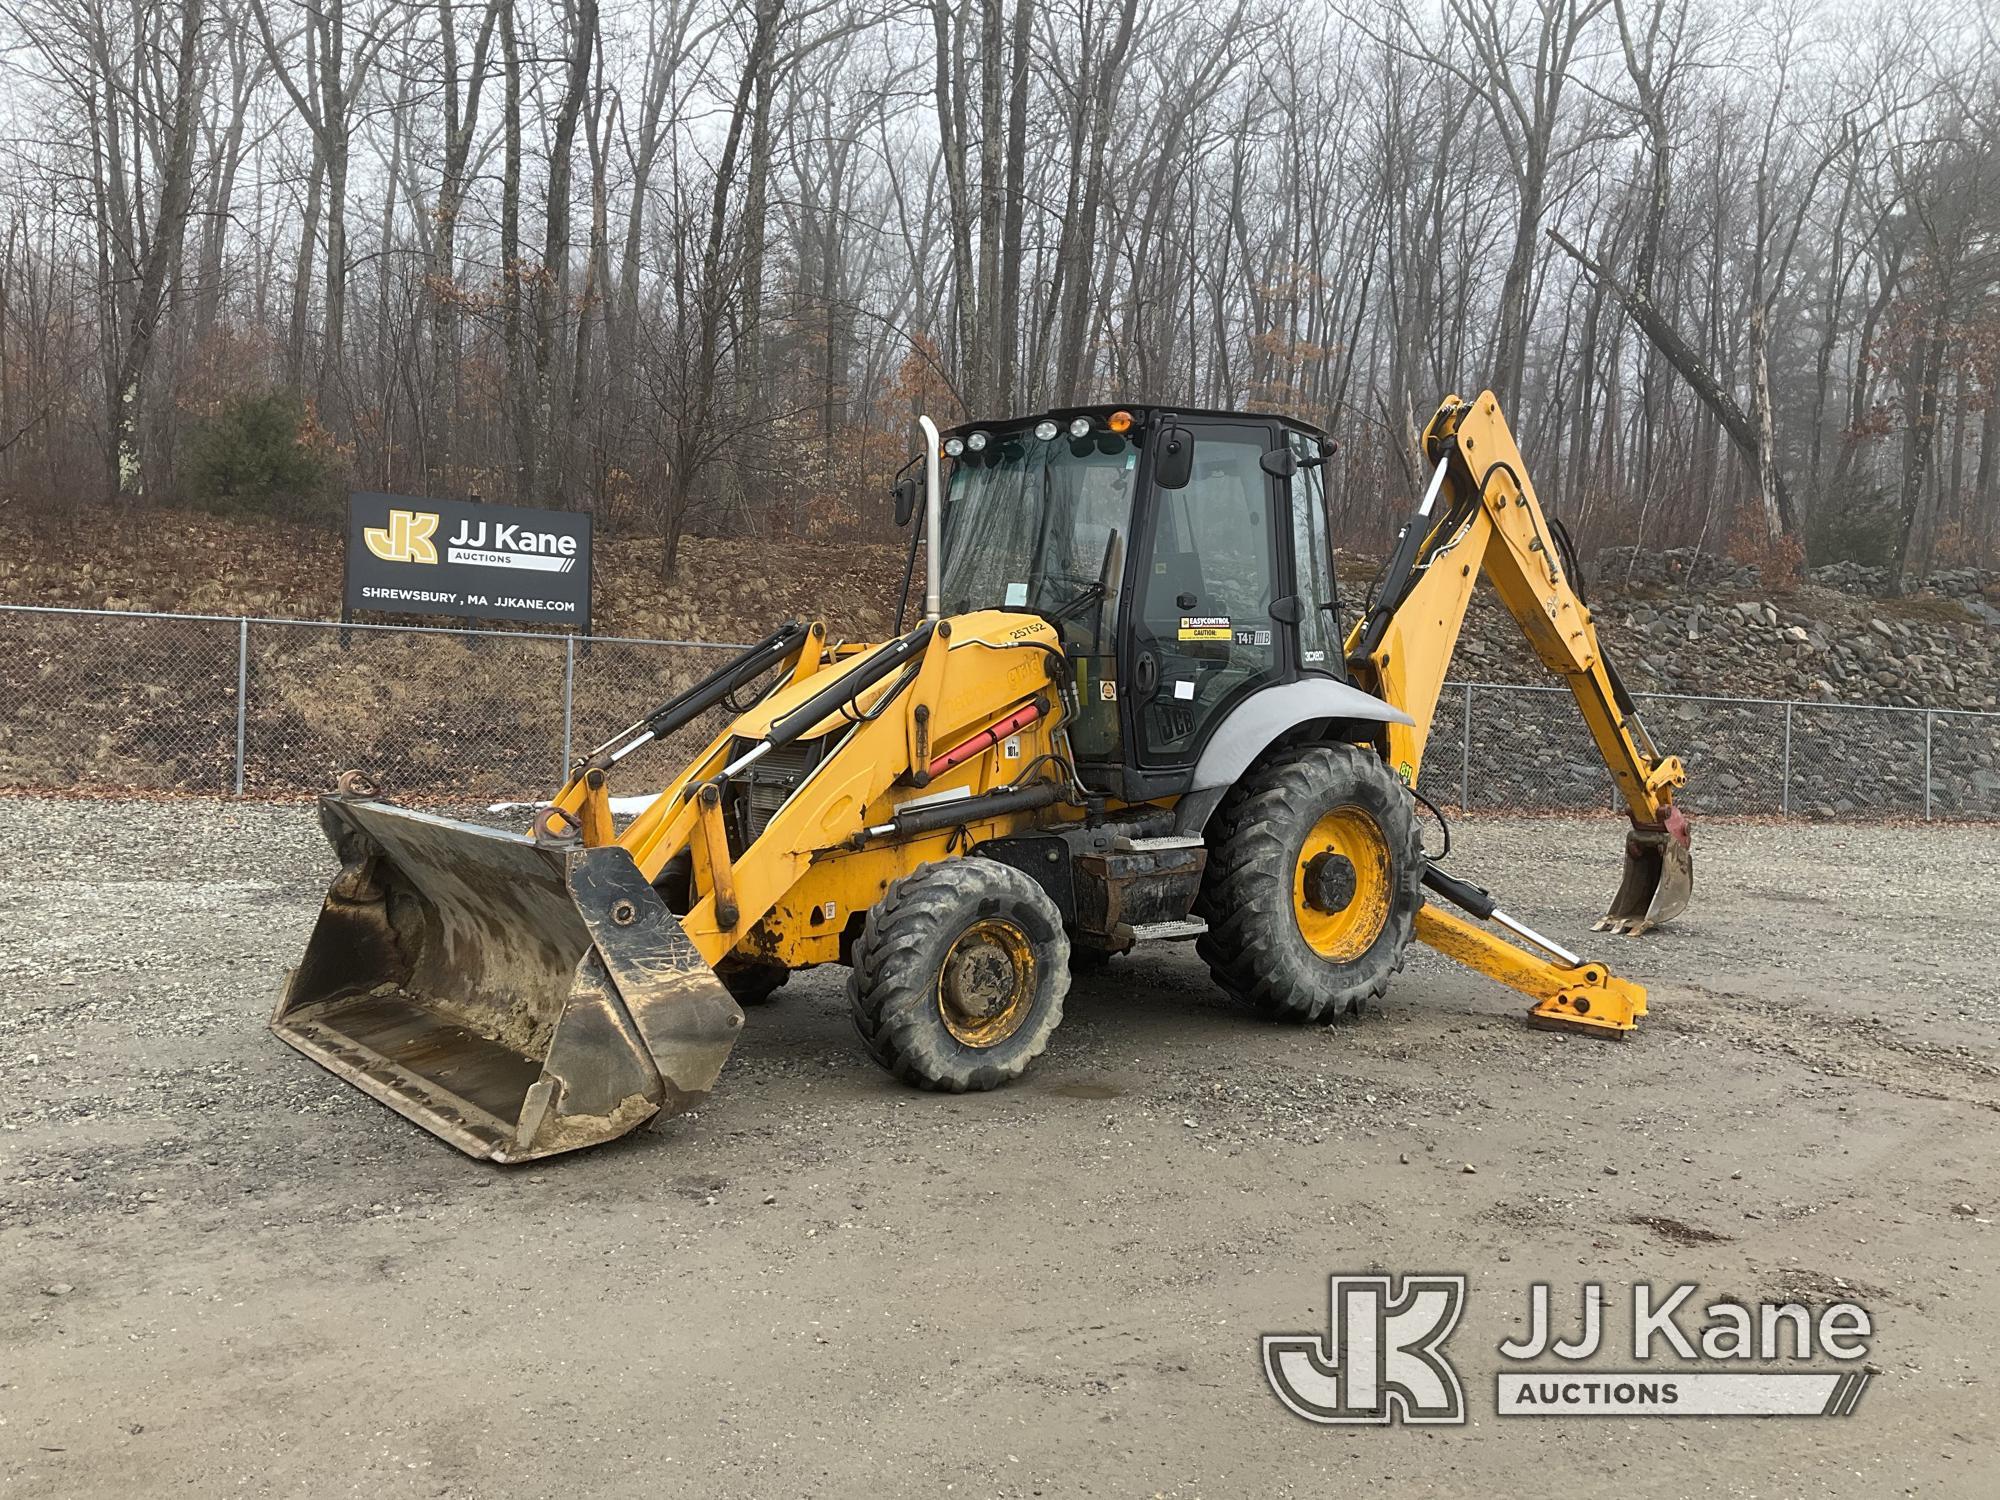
{"points": [[1480, 515]]}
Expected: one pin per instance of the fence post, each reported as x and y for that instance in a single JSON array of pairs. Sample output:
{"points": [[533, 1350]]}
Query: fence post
{"points": [[1927, 765], [1785, 787], [242, 694], [1465, 756], [569, 703]]}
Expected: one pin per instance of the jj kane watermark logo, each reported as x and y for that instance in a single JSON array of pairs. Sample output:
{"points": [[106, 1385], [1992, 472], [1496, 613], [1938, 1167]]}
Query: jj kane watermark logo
{"points": [[405, 538], [1383, 1360]]}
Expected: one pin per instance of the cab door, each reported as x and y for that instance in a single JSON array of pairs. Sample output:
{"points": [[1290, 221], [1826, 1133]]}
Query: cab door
{"points": [[1203, 635], [1312, 559]]}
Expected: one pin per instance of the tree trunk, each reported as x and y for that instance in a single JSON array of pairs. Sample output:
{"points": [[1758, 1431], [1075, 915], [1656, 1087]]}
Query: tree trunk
{"points": [[302, 275], [751, 406], [519, 403], [590, 304], [333, 121], [1768, 483], [1920, 395], [222, 189], [694, 436], [555, 232], [948, 37], [1007, 388], [984, 377], [461, 120], [175, 197], [1986, 478], [1072, 348], [1700, 379]]}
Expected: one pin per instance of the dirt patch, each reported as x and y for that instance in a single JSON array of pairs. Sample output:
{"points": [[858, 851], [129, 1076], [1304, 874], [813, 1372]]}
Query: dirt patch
{"points": [[1679, 1231]]}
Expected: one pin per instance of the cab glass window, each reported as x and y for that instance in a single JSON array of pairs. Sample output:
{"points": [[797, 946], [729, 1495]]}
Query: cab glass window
{"points": [[1312, 554]]}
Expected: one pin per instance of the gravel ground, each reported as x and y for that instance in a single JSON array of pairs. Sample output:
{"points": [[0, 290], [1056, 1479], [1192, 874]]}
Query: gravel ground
{"points": [[222, 1271]]}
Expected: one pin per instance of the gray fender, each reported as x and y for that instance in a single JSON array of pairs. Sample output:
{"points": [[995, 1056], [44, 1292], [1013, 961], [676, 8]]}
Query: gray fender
{"points": [[1258, 720]]}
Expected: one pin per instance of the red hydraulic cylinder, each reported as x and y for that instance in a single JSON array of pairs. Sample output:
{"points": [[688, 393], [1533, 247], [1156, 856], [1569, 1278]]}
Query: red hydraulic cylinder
{"points": [[986, 739]]}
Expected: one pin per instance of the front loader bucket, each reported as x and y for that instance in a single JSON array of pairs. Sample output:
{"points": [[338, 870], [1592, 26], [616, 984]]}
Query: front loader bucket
{"points": [[517, 999], [1659, 877]]}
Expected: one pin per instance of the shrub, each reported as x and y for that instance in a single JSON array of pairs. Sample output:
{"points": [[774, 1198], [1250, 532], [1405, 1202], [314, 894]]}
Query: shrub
{"points": [[260, 455]]}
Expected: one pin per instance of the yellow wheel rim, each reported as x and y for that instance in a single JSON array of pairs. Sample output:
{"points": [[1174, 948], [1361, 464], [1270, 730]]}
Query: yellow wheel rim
{"points": [[986, 985], [1341, 884]]}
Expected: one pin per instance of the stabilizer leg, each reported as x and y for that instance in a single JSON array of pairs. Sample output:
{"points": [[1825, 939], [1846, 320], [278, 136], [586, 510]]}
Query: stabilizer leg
{"points": [[1586, 998]]}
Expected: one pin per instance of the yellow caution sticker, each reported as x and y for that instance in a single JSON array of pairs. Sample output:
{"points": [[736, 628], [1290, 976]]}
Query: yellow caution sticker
{"points": [[1204, 627]]}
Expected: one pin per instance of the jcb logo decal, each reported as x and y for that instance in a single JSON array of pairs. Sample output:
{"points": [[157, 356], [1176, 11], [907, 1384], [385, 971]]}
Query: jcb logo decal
{"points": [[407, 537]]}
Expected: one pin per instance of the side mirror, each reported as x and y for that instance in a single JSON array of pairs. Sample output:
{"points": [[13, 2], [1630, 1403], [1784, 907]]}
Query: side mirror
{"points": [[905, 494], [1173, 456], [1279, 463]]}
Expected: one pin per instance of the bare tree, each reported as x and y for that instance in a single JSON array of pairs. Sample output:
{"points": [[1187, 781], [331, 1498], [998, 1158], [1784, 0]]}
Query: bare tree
{"points": [[694, 264]]}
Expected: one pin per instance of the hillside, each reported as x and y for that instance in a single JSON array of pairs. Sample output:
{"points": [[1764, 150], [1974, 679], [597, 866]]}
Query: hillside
{"points": [[1734, 638], [1676, 622], [728, 589]]}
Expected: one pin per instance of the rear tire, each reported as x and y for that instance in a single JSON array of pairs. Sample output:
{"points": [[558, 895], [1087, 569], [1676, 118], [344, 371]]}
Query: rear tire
{"points": [[1313, 883], [959, 975]]}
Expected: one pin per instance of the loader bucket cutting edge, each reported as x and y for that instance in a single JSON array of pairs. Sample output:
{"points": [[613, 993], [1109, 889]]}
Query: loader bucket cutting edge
{"points": [[513, 998], [1658, 881]]}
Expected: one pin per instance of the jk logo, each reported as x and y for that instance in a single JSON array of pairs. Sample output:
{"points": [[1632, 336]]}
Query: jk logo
{"points": [[1383, 1361], [407, 537]]}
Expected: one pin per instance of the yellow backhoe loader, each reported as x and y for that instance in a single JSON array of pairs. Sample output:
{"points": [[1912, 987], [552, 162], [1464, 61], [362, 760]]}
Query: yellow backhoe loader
{"points": [[1126, 715]]}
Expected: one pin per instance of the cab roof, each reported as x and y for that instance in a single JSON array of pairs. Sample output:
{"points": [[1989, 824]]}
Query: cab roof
{"points": [[1145, 413]]}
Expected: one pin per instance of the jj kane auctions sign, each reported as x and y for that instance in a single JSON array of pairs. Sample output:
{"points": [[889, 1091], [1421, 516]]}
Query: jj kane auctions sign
{"points": [[408, 555]]}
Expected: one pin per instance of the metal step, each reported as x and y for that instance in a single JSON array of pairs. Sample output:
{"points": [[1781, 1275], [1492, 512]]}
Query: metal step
{"points": [[1169, 932], [1166, 841]]}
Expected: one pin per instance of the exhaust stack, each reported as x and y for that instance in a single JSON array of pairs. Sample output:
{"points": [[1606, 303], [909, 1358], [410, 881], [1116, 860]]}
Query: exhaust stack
{"points": [[933, 523]]}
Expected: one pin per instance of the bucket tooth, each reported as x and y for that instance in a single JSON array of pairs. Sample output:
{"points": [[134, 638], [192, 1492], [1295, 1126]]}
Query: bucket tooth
{"points": [[515, 999]]}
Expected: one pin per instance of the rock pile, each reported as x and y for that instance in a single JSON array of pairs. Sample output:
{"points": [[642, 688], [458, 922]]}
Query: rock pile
{"points": [[1952, 583], [1866, 673], [1621, 568]]}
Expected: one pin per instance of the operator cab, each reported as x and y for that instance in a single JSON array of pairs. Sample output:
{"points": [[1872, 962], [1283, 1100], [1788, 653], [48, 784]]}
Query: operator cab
{"points": [[1184, 557]]}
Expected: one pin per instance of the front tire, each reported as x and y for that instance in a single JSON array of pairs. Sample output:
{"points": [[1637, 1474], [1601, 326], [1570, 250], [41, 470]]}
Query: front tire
{"points": [[959, 975], [1313, 882]]}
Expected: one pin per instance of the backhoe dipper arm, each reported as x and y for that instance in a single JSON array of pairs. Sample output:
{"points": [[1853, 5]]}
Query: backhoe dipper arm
{"points": [[1479, 515]]}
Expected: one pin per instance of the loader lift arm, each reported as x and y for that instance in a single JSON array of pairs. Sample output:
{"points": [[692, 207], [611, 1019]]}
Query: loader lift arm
{"points": [[1479, 515]]}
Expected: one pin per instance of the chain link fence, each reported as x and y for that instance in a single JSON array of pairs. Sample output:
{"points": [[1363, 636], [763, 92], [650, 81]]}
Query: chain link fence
{"points": [[197, 704]]}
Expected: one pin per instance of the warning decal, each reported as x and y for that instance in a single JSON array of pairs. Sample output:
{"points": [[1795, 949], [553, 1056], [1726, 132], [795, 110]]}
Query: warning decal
{"points": [[1204, 627]]}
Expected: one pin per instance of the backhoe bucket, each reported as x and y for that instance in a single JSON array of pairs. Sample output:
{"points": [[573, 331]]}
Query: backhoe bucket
{"points": [[1659, 877], [517, 999]]}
